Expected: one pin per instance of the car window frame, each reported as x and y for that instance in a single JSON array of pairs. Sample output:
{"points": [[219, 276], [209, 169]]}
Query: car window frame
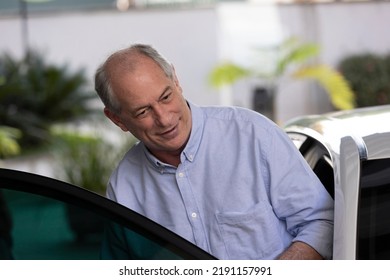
{"points": [[59, 190]]}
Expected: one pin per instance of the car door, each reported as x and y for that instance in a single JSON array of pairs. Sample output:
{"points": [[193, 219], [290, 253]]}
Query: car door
{"points": [[362, 202], [356, 174], [43, 218]]}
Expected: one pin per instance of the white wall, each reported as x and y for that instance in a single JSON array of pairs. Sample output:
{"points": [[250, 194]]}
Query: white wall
{"points": [[83, 40]]}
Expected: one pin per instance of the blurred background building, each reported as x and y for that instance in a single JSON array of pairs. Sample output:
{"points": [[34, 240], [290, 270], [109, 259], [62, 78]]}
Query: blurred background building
{"points": [[195, 35]]}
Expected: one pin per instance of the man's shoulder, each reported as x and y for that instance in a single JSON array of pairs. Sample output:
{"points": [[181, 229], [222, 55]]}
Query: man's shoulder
{"points": [[136, 151], [130, 161], [233, 113], [132, 156]]}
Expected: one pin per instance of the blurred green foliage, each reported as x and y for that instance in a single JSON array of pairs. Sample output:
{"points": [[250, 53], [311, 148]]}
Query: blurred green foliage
{"points": [[8, 141], [35, 95], [369, 76], [290, 55], [87, 160]]}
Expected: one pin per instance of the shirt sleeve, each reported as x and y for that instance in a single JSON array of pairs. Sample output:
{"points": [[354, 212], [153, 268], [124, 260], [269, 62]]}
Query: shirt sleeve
{"points": [[298, 196]]}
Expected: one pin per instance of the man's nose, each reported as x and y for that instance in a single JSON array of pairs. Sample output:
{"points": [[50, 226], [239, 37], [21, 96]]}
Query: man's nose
{"points": [[161, 115]]}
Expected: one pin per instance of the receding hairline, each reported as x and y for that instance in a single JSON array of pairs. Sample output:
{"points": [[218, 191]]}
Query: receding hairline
{"points": [[127, 59], [130, 58]]}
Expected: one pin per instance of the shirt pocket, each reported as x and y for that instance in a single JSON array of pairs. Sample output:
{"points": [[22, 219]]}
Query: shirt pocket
{"points": [[252, 234]]}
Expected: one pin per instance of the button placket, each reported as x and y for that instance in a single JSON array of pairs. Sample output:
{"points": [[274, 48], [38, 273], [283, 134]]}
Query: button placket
{"points": [[186, 193], [190, 206]]}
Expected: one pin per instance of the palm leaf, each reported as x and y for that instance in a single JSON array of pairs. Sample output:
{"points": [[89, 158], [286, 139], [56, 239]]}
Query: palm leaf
{"points": [[8, 141], [291, 52], [226, 74], [298, 54], [333, 82]]}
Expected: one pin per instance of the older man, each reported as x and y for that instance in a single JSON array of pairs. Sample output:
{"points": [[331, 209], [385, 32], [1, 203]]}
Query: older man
{"points": [[225, 178]]}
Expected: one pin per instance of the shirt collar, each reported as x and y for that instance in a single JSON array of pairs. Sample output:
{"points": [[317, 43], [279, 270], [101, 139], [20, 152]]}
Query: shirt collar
{"points": [[156, 163]]}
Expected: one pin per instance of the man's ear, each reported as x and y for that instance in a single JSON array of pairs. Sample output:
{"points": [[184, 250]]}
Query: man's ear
{"points": [[115, 119]]}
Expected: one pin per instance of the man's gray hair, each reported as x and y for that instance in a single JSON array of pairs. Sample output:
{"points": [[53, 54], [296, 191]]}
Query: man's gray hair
{"points": [[126, 58]]}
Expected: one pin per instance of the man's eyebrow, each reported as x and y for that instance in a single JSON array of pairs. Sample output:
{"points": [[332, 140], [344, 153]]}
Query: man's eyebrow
{"points": [[167, 88]]}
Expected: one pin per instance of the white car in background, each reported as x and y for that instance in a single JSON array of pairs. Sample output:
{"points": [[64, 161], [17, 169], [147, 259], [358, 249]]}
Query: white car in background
{"points": [[350, 153]]}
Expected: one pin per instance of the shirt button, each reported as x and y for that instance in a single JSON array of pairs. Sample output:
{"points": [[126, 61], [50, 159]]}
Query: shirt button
{"points": [[181, 174], [190, 157], [193, 215]]}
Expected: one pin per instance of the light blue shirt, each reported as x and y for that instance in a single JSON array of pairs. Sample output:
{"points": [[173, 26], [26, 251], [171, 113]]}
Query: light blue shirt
{"points": [[241, 191]]}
